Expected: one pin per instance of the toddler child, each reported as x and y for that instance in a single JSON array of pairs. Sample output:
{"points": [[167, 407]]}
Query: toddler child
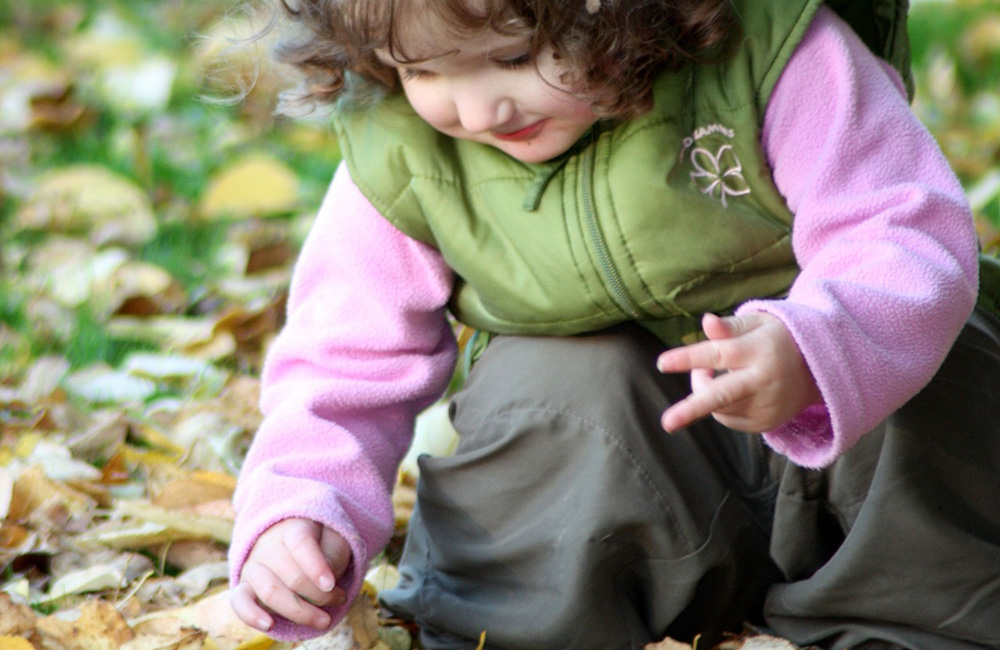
{"points": [[681, 223]]}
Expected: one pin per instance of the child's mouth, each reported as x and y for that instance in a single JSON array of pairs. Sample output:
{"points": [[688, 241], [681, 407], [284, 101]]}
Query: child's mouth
{"points": [[526, 133]]}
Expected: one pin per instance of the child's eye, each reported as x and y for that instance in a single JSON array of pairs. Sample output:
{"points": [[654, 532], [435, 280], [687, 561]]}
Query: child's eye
{"points": [[414, 73], [516, 62]]}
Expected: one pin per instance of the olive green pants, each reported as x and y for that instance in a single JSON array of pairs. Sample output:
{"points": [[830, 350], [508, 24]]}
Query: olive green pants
{"points": [[567, 519]]}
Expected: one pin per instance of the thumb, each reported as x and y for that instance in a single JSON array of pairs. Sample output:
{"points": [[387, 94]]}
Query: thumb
{"points": [[717, 328], [335, 549]]}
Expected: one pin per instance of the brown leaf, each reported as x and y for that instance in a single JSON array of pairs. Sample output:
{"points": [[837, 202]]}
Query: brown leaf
{"points": [[253, 329], [56, 111], [98, 627], [212, 615], [184, 639], [269, 256], [191, 553], [363, 619], [43, 497], [141, 289], [15, 618], [199, 488]]}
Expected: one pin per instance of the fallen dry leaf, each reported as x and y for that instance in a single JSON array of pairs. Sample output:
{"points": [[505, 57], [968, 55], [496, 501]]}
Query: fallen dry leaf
{"points": [[187, 554], [766, 642], [90, 199], [382, 576], [184, 525], [252, 186], [184, 639], [211, 615], [363, 619], [41, 496], [97, 625], [199, 487], [15, 643], [15, 618]]}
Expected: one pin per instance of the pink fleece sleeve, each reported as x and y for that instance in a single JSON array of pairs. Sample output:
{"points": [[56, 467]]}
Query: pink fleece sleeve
{"points": [[882, 232], [366, 346]]}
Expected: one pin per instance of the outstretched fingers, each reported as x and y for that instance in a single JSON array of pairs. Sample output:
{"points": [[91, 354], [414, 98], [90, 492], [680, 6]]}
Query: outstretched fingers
{"points": [[710, 395]]}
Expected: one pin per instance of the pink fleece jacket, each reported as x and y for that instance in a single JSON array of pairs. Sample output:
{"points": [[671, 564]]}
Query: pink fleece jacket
{"points": [[882, 233]]}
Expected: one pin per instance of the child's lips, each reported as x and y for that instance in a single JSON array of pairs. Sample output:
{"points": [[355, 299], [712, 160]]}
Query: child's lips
{"points": [[525, 133]]}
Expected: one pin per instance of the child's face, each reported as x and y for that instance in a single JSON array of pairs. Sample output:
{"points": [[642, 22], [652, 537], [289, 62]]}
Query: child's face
{"points": [[486, 88]]}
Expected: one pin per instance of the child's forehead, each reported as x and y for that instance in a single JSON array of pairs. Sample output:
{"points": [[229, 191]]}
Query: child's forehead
{"points": [[429, 35]]}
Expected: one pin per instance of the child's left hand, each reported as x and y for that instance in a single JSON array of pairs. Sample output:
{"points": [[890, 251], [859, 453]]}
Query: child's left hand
{"points": [[749, 375]]}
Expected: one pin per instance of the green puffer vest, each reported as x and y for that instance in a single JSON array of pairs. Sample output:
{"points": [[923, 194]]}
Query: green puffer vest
{"points": [[657, 220]]}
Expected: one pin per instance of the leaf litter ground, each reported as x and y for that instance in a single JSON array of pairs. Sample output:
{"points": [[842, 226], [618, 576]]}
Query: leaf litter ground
{"points": [[147, 241]]}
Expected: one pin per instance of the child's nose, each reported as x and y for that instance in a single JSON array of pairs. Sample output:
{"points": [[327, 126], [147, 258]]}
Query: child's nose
{"points": [[483, 111]]}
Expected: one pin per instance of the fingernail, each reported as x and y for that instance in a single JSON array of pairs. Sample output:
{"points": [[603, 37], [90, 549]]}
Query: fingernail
{"points": [[326, 583], [263, 624], [321, 622]]}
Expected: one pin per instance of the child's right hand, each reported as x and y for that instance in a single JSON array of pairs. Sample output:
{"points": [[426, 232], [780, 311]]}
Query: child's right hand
{"points": [[292, 571]]}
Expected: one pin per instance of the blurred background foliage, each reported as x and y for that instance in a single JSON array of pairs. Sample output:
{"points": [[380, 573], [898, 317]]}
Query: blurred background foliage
{"points": [[142, 211]]}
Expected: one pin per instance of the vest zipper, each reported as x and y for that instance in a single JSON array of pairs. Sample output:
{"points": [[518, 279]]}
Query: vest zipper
{"points": [[612, 278]]}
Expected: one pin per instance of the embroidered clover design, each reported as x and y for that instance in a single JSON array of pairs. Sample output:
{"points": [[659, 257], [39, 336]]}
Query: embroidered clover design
{"points": [[718, 175]]}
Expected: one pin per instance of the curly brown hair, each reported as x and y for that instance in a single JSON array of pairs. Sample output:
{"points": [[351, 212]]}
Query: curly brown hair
{"points": [[615, 48]]}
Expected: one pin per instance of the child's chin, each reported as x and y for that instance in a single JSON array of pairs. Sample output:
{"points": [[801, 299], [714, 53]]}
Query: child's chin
{"points": [[530, 152]]}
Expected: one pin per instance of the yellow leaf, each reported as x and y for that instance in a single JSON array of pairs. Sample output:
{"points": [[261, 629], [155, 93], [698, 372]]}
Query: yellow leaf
{"points": [[194, 526], [151, 458], [26, 444], [259, 642], [15, 643], [255, 185]]}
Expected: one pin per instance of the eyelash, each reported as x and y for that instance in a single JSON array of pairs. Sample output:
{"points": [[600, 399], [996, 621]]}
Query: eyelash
{"points": [[413, 73], [517, 62]]}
